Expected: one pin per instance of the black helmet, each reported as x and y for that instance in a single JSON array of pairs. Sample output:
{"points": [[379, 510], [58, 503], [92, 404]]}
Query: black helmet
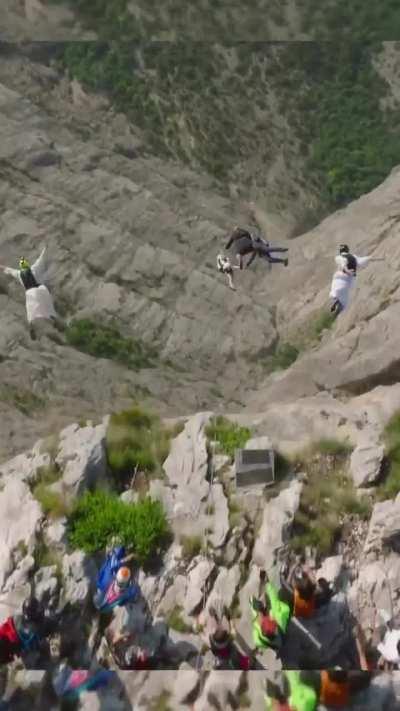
{"points": [[343, 248], [32, 609]]}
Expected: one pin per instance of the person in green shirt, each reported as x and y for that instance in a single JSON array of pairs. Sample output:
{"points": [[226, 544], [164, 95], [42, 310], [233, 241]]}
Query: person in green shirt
{"points": [[271, 616], [296, 695]]}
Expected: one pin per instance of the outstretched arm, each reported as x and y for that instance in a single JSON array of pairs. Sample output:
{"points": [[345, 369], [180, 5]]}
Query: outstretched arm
{"points": [[362, 261], [11, 272], [39, 267]]}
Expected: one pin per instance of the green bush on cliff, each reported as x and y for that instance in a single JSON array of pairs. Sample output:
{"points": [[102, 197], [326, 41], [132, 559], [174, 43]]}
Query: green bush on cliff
{"points": [[106, 341], [99, 516], [229, 435], [204, 103], [390, 486], [137, 438]]}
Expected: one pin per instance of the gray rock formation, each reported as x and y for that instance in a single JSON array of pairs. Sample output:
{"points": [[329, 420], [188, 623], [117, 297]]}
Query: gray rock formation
{"points": [[366, 464], [276, 525]]}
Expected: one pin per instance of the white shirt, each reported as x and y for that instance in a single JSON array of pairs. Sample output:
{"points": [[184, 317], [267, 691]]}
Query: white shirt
{"points": [[341, 261], [223, 262], [388, 648]]}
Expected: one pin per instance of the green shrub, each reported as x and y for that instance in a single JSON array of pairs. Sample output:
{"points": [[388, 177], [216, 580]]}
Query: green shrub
{"points": [[25, 401], [47, 475], [323, 321], [191, 546], [285, 355], [327, 496], [390, 486], [161, 703], [105, 341], [282, 466], [332, 447], [137, 438], [53, 503], [228, 435], [98, 516], [330, 90], [22, 548], [50, 445], [176, 622], [44, 557]]}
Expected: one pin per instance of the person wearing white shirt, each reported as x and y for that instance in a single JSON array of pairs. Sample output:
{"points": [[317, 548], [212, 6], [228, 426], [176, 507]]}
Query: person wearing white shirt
{"points": [[225, 267], [39, 303], [344, 278], [390, 649]]}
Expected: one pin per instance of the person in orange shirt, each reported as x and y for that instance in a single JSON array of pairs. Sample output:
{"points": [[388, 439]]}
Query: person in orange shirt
{"points": [[335, 687], [304, 594]]}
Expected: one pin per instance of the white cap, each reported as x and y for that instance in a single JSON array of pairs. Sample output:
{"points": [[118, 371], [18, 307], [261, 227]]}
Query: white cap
{"points": [[123, 577]]}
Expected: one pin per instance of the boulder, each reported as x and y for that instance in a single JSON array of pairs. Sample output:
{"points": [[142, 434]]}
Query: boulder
{"points": [[384, 527], [275, 529], [25, 466], [55, 533], [174, 594], [46, 585], [197, 585], [220, 519], [366, 464], [224, 588], [376, 587], [82, 457], [186, 466], [130, 619], [19, 580], [79, 576], [19, 523]]}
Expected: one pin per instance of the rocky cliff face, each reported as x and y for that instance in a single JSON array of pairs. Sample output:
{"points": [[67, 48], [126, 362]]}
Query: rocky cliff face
{"points": [[133, 238], [129, 237], [360, 351], [36, 555]]}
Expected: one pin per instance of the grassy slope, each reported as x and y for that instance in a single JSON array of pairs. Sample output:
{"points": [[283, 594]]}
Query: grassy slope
{"points": [[215, 106]]}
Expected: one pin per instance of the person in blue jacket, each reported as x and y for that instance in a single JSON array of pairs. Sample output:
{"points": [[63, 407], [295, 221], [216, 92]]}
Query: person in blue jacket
{"points": [[115, 586]]}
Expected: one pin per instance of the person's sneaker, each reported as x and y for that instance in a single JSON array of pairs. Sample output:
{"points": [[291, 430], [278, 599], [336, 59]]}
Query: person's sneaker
{"points": [[286, 262]]}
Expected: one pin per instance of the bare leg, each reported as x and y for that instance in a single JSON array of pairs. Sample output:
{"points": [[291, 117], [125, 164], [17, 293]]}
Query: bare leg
{"points": [[230, 280]]}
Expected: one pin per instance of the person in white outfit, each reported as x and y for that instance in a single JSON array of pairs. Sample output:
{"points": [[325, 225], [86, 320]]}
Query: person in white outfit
{"points": [[390, 650], [39, 303], [225, 267], [344, 278]]}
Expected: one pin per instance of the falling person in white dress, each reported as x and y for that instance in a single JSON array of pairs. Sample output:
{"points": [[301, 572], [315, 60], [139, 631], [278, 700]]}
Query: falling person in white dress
{"points": [[225, 267], [39, 303], [344, 278]]}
